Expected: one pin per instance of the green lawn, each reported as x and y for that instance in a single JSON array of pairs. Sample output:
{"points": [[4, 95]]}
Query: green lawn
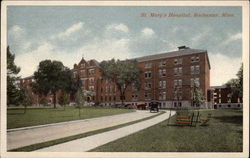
{"points": [[222, 134], [39, 116]]}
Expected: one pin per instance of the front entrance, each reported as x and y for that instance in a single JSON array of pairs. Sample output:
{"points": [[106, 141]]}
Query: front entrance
{"points": [[215, 106]]}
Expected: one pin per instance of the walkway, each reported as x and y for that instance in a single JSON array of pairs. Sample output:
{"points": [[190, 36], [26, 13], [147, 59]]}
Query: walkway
{"points": [[91, 142], [23, 137]]}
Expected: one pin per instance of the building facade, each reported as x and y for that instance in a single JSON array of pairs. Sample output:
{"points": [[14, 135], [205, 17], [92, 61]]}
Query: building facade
{"points": [[224, 97], [167, 78]]}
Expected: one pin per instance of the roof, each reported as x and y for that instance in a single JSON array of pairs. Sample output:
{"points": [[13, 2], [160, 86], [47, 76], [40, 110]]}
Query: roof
{"points": [[181, 52], [28, 77], [217, 87]]}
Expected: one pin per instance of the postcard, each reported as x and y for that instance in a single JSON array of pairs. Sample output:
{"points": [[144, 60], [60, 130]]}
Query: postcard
{"points": [[124, 79]]}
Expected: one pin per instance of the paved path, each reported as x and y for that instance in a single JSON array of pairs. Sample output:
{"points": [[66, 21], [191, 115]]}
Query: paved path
{"points": [[91, 142], [24, 137]]}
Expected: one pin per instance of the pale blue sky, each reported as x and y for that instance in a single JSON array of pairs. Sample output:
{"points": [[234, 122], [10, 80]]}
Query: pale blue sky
{"points": [[66, 33]]}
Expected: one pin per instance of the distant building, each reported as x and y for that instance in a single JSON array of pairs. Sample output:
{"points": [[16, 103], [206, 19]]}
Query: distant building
{"points": [[224, 97], [36, 98]]}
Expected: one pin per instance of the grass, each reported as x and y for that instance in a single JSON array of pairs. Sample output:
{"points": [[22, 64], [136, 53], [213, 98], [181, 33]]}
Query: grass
{"points": [[222, 134], [39, 116], [70, 138]]}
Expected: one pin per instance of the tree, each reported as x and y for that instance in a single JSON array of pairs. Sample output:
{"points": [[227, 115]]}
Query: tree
{"points": [[75, 85], [64, 99], [198, 97], [79, 100], [122, 73], [51, 77], [236, 84], [12, 71], [26, 98]]}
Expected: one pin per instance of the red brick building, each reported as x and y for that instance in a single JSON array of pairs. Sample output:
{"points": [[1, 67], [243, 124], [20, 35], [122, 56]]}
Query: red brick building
{"points": [[167, 78], [36, 99], [223, 97]]}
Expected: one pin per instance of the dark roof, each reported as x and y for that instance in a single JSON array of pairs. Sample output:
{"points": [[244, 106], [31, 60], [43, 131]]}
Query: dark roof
{"points": [[95, 61], [181, 52], [216, 87]]}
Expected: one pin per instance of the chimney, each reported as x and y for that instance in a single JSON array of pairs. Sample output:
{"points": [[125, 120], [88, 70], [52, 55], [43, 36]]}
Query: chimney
{"points": [[183, 47]]}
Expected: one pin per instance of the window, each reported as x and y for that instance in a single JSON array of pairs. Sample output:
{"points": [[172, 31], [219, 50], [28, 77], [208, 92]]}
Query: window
{"points": [[134, 96], [175, 71], [195, 59], [195, 80], [162, 72], [178, 71], [91, 71], [178, 61], [148, 74], [147, 96], [162, 96], [148, 85], [91, 88], [192, 58], [195, 69], [162, 63], [82, 72], [178, 83], [162, 84], [148, 65], [192, 69], [91, 80], [82, 65], [177, 95]]}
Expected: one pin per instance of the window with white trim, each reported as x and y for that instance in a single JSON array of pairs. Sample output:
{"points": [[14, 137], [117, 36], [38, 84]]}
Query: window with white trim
{"points": [[148, 74]]}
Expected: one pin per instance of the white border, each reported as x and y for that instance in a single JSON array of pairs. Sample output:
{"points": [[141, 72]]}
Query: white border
{"points": [[245, 33]]}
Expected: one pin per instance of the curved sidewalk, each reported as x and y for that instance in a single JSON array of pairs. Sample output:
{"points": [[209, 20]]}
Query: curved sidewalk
{"points": [[91, 142], [32, 135]]}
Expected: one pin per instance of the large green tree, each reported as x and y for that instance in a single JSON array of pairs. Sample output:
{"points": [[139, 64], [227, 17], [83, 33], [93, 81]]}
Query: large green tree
{"points": [[122, 73], [50, 77], [12, 71], [237, 83]]}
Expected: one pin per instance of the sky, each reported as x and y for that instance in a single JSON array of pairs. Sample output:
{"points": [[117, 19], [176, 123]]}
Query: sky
{"points": [[68, 33]]}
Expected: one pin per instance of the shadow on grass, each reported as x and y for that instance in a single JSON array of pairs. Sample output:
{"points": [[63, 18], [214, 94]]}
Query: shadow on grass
{"points": [[230, 119]]}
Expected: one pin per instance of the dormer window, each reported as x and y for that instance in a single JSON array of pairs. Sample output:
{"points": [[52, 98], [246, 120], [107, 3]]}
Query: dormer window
{"points": [[82, 65]]}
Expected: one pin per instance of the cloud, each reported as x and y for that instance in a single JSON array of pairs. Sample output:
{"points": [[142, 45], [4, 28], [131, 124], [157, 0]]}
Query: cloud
{"points": [[99, 48], [69, 31], [118, 27], [223, 68], [147, 32], [17, 39], [232, 37], [16, 31]]}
